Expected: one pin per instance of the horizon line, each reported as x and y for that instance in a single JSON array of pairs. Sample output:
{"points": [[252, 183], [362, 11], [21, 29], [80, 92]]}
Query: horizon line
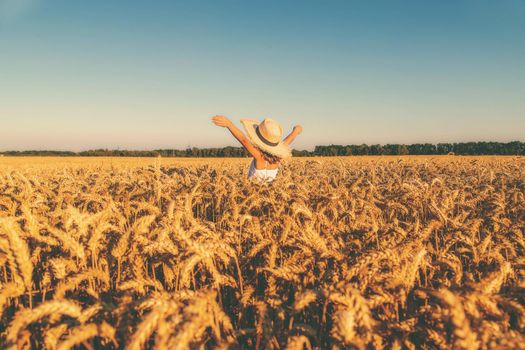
{"points": [[240, 146]]}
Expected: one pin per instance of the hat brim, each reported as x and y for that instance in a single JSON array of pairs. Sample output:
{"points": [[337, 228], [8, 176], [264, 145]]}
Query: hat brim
{"points": [[281, 150]]}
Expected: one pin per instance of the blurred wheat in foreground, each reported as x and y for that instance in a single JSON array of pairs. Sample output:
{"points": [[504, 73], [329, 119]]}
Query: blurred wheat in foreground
{"points": [[341, 253]]}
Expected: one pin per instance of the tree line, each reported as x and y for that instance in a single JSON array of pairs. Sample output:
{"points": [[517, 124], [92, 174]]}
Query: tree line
{"points": [[462, 148]]}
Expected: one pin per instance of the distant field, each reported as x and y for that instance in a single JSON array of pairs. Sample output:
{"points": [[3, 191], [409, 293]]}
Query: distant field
{"points": [[106, 161], [410, 252], [33, 162]]}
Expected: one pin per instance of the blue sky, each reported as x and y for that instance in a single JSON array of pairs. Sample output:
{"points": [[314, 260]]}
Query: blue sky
{"points": [[150, 74]]}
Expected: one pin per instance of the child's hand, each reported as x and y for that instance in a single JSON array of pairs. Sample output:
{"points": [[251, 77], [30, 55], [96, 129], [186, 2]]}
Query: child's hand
{"points": [[221, 120], [298, 129]]}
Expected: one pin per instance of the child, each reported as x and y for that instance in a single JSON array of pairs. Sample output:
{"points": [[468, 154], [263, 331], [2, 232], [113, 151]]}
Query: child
{"points": [[263, 144]]}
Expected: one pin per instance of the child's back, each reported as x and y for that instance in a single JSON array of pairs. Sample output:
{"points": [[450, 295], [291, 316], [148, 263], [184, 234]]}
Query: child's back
{"points": [[262, 174]]}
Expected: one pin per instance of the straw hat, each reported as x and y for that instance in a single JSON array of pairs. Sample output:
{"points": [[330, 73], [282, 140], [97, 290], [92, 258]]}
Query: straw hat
{"points": [[267, 136]]}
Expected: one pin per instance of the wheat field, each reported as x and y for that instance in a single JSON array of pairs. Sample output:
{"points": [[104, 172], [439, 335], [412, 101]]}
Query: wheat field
{"points": [[338, 253]]}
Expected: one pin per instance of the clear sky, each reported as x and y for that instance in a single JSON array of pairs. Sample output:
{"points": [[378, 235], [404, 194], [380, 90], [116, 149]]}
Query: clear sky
{"points": [[132, 74]]}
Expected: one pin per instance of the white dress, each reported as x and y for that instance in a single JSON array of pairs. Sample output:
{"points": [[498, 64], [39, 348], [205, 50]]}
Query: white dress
{"points": [[267, 175]]}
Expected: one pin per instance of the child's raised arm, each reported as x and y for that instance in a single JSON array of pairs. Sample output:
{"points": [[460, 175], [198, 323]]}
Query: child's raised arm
{"points": [[295, 132], [221, 120]]}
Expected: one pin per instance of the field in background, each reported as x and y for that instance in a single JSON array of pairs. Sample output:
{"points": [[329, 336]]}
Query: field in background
{"points": [[105, 162], [338, 253], [127, 162]]}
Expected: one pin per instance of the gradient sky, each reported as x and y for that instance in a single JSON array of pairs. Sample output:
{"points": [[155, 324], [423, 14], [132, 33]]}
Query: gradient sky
{"points": [[132, 74]]}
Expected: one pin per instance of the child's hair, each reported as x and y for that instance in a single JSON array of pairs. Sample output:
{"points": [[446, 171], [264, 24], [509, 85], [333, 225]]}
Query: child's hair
{"points": [[270, 158]]}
